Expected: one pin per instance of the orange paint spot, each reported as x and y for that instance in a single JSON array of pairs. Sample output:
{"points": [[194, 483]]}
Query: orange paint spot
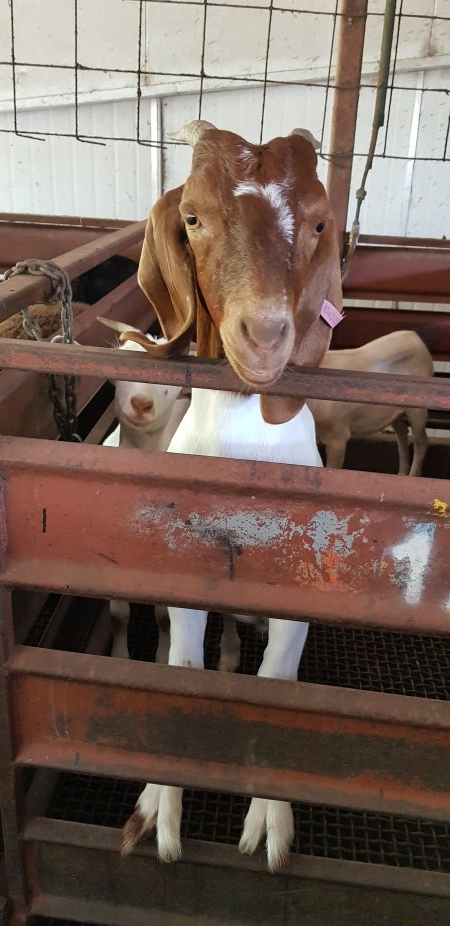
{"points": [[331, 562]]}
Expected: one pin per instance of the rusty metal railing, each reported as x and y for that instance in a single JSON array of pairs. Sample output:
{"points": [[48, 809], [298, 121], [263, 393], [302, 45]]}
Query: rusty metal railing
{"points": [[365, 549]]}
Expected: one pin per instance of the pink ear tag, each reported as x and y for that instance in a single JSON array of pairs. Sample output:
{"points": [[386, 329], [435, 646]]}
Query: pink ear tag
{"points": [[330, 314]]}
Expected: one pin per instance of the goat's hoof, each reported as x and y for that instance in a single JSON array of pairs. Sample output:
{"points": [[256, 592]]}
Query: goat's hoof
{"points": [[169, 845], [277, 852], [254, 826], [120, 651], [143, 819], [275, 818], [132, 832], [169, 824], [229, 662], [158, 806]]}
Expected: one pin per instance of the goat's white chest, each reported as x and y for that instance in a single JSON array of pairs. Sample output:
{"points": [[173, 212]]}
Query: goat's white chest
{"points": [[224, 424]]}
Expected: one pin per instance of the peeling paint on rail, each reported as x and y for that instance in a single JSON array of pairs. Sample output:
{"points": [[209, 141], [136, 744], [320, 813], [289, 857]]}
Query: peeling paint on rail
{"points": [[320, 551], [325, 535], [242, 528]]}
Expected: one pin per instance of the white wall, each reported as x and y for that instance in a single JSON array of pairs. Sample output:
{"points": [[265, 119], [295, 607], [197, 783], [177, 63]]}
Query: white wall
{"points": [[58, 175], [122, 178]]}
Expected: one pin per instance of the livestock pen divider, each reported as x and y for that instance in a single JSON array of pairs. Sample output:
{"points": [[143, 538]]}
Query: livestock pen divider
{"points": [[270, 539]]}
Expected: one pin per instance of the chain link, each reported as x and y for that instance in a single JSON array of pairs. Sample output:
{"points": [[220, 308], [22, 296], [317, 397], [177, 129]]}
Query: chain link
{"points": [[64, 407]]}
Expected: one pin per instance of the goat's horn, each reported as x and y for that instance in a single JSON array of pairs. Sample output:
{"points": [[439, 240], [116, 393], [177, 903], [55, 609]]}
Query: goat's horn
{"points": [[305, 133], [116, 326], [191, 133]]}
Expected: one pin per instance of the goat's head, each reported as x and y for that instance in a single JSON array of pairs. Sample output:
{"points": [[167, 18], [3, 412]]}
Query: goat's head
{"points": [[248, 244], [141, 407]]}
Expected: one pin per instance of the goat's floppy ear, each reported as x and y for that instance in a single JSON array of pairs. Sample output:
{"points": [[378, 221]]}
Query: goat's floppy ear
{"points": [[120, 327], [313, 333], [165, 273]]}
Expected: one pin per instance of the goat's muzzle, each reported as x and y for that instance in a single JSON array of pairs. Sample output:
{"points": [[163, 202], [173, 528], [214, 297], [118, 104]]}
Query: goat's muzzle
{"points": [[259, 347]]}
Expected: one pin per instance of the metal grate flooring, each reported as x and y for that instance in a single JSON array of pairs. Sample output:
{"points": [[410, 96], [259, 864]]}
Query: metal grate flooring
{"points": [[326, 832], [414, 666], [394, 663]]}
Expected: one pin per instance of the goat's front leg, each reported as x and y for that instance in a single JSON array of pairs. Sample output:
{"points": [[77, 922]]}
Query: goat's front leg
{"points": [[230, 645], [400, 427], [335, 451], [417, 418], [160, 805], [119, 611], [281, 660]]}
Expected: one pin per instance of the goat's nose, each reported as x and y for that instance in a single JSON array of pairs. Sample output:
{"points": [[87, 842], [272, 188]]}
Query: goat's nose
{"points": [[141, 403], [265, 333]]}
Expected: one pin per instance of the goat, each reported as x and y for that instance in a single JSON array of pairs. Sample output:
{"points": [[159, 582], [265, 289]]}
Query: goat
{"points": [[399, 352], [48, 317], [148, 416], [245, 255]]}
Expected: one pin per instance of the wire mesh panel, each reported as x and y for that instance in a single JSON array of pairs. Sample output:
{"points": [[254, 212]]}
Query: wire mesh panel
{"points": [[124, 73]]}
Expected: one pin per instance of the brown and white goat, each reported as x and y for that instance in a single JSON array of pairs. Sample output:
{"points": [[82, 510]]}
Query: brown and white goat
{"points": [[245, 257], [336, 422]]}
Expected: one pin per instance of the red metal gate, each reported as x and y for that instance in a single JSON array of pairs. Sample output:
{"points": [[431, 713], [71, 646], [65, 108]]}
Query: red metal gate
{"points": [[349, 550]]}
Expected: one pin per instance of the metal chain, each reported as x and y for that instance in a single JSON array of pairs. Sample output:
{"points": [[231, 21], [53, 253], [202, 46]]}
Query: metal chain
{"points": [[64, 408]]}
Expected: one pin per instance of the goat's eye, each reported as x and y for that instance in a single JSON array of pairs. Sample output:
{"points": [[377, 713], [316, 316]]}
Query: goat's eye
{"points": [[191, 220], [320, 227]]}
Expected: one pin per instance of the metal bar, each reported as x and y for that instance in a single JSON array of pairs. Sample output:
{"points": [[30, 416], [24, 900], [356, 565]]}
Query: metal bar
{"points": [[99, 642], [363, 325], [345, 385], [26, 607], [352, 26], [44, 236], [91, 714], [78, 838], [60, 221], [289, 541], [18, 292], [11, 792], [190, 893], [40, 793], [407, 243], [406, 274]]}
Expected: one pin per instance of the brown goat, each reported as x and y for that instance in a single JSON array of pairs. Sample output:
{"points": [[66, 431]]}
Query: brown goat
{"points": [[243, 258], [400, 352]]}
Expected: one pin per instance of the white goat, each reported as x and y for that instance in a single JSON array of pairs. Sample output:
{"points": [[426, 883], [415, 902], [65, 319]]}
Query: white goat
{"points": [[336, 422], [228, 425], [148, 416], [250, 237]]}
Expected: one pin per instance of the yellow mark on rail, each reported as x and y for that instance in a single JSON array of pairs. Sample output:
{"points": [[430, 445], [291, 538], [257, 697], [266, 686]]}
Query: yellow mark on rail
{"points": [[440, 508]]}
